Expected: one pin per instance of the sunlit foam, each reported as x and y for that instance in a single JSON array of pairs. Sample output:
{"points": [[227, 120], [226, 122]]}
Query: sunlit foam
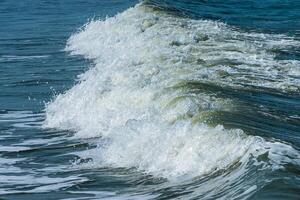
{"points": [[129, 98]]}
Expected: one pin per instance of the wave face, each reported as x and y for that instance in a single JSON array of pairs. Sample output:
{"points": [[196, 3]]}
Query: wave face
{"points": [[141, 102]]}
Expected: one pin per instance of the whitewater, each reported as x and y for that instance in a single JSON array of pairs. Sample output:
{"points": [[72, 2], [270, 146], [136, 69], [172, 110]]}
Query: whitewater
{"points": [[145, 103]]}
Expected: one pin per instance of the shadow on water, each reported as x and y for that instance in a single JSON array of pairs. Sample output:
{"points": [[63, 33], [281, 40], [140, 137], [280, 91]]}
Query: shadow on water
{"points": [[258, 111]]}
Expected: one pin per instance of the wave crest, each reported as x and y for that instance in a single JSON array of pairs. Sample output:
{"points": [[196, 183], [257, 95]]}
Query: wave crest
{"points": [[130, 98]]}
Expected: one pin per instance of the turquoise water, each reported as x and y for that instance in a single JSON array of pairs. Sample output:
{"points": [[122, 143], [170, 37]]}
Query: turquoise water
{"points": [[149, 100]]}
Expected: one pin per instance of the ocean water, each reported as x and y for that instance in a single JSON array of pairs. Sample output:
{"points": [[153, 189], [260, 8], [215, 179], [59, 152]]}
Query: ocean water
{"points": [[149, 99]]}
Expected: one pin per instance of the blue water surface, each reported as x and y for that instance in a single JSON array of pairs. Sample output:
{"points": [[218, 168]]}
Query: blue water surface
{"points": [[35, 163]]}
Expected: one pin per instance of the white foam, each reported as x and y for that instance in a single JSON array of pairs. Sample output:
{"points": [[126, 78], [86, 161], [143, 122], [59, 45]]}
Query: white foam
{"points": [[128, 99], [22, 119], [8, 58], [176, 151], [39, 184]]}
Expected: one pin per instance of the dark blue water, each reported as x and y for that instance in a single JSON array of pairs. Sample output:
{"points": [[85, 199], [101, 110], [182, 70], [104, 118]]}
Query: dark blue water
{"points": [[131, 107], [271, 15]]}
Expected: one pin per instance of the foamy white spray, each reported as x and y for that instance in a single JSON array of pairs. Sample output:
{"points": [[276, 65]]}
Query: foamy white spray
{"points": [[128, 99]]}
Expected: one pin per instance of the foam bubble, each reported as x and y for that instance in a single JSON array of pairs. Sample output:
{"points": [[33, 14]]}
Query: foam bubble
{"points": [[130, 98]]}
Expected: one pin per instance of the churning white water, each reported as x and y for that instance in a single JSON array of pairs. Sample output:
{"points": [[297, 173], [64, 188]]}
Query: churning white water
{"points": [[131, 100]]}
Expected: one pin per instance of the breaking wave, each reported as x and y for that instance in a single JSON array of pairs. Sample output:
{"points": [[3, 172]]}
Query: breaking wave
{"points": [[140, 103]]}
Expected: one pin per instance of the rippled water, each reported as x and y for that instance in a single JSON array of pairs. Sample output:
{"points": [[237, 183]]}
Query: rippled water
{"points": [[149, 100]]}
